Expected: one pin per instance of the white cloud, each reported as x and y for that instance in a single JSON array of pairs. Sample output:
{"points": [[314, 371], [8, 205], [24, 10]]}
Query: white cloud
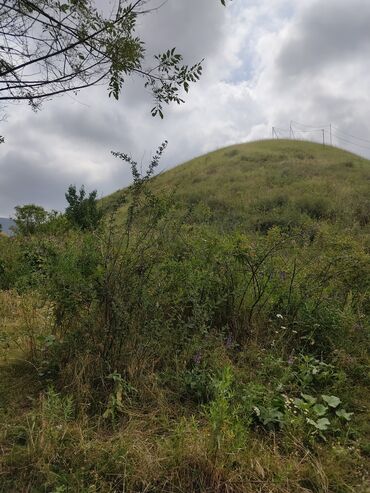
{"points": [[267, 62]]}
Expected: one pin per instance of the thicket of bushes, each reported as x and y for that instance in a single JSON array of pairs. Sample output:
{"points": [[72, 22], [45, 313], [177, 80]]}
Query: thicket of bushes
{"points": [[225, 361]]}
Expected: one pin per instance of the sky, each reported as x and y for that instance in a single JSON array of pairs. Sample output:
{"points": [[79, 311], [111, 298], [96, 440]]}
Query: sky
{"points": [[266, 63]]}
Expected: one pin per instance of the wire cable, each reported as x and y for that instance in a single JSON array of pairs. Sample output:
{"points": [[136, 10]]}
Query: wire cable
{"points": [[308, 131], [317, 127], [349, 142], [341, 136], [349, 135]]}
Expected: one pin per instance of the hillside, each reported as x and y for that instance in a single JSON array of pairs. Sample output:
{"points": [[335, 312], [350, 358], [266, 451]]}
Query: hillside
{"points": [[209, 335], [285, 183]]}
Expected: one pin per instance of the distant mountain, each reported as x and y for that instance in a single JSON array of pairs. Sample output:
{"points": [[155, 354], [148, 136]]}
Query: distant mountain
{"points": [[6, 223]]}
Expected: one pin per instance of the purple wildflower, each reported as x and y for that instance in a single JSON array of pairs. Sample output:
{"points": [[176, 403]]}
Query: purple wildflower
{"points": [[197, 358], [229, 341]]}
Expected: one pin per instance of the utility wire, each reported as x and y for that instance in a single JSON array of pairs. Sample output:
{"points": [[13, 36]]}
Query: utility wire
{"points": [[280, 132], [349, 135], [340, 135], [320, 128], [308, 131], [282, 129], [317, 127], [349, 142]]}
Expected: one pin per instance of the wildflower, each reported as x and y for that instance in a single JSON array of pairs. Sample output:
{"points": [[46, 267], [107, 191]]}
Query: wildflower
{"points": [[256, 411], [279, 315], [229, 341], [197, 358]]}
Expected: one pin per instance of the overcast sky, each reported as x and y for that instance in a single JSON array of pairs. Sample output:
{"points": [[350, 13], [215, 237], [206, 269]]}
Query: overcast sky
{"points": [[267, 62]]}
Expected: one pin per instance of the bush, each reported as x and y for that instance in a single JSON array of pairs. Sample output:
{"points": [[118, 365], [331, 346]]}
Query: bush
{"points": [[315, 207], [82, 211]]}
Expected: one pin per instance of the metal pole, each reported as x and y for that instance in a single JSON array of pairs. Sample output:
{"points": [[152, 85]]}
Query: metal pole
{"points": [[323, 136]]}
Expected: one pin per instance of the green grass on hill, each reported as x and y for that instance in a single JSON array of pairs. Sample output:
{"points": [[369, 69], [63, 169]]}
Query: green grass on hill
{"points": [[210, 336], [255, 186]]}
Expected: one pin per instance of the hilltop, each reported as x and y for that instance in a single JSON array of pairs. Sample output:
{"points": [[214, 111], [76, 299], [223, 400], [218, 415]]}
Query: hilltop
{"points": [[257, 185]]}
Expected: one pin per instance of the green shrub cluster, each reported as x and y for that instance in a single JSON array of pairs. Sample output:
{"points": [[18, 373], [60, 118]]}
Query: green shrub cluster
{"points": [[206, 357]]}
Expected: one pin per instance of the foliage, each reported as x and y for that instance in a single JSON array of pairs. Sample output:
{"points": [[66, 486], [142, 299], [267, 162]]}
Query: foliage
{"points": [[82, 211], [161, 352], [310, 372], [274, 183], [226, 424], [28, 218], [62, 46], [121, 390], [319, 414]]}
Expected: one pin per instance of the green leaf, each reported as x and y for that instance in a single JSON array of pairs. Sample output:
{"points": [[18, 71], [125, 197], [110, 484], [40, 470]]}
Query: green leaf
{"points": [[342, 413], [301, 404], [321, 424], [320, 409], [308, 398], [331, 400]]}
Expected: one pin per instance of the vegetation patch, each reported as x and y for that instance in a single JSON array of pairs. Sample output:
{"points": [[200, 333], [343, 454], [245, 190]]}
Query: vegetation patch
{"points": [[187, 338]]}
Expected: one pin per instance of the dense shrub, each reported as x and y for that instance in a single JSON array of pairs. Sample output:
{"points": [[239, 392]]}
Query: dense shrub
{"points": [[170, 352], [160, 280]]}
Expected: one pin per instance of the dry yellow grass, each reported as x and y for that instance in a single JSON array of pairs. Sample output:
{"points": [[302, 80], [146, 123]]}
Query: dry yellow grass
{"points": [[23, 318]]}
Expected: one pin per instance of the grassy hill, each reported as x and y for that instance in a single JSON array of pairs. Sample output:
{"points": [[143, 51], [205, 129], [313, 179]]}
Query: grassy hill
{"points": [[286, 183], [212, 335]]}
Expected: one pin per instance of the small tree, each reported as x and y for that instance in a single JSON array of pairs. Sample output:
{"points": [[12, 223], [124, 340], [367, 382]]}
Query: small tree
{"points": [[82, 211], [28, 218]]}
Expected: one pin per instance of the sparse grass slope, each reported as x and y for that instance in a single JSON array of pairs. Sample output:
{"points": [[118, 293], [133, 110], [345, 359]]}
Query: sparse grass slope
{"points": [[254, 186]]}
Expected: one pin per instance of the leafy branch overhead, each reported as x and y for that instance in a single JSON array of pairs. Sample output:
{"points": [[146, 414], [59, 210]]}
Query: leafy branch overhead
{"points": [[57, 46]]}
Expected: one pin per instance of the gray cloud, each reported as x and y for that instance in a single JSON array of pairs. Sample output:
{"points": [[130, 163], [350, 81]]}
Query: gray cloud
{"points": [[316, 69], [70, 139], [327, 33], [25, 180], [306, 61]]}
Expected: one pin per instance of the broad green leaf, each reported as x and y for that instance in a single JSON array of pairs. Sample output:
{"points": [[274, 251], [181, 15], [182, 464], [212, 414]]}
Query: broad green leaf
{"points": [[321, 424], [301, 404], [320, 409], [342, 413], [331, 400], [308, 398]]}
